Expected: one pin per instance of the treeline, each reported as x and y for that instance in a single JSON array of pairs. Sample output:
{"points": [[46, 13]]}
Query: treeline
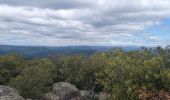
{"points": [[129, 75]]}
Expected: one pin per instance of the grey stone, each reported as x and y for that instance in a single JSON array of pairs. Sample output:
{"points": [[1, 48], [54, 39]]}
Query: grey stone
{"points": [[50, 96], [66, 91], [85, 94], [8, 93]]}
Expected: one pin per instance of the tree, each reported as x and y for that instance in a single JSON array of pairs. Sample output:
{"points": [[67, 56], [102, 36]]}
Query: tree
{"points": [[35, 80], [10, 66], [4, 76], [68, 69], [128, 72], [92, 72]]}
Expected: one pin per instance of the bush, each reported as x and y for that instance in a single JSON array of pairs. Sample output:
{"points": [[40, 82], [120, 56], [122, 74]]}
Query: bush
{"points": [[34, 81]]}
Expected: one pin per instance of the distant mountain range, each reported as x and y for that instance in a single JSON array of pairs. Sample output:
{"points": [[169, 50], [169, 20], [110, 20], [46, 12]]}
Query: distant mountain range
{"points": [[43, 51]]}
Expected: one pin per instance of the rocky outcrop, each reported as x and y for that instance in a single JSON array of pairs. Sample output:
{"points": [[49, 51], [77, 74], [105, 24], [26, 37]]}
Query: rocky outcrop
{"points": [[60, 91], [51, 96], [8, 93], [101, 96], [64, 91], [104, 96], [85, 94], [67, 91]]}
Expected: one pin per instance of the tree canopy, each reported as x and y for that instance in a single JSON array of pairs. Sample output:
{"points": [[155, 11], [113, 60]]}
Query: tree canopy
{"points": [[123, 75]]}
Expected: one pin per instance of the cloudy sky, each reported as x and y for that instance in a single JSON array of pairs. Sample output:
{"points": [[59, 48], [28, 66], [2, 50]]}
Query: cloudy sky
{"points": [[85, 22]]}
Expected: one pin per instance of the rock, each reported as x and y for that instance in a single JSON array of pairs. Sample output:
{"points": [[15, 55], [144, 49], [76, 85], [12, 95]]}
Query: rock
{"points": [[6, 90], [85, 94], [104, 96], [101, 96], [50, 96], [11, 97], [66, 91], [8, 93], [73, 96], [63, 88]]}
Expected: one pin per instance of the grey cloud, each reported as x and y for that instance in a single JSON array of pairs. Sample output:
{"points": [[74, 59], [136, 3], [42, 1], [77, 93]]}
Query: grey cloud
{"points": [[72, 22], [54, 4]]}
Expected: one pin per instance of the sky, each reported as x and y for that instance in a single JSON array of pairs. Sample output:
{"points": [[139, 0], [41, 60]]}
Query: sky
{"points": [[85, 22]]}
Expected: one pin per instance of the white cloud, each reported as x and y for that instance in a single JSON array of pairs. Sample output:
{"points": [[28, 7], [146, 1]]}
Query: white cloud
{"points": [[97, 22]]}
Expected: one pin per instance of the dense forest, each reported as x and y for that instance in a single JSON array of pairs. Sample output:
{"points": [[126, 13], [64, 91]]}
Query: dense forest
{"points": [[43, 51], [124, 75]]}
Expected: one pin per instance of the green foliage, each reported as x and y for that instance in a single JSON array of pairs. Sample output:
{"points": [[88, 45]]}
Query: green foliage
{"points": [[128, 72], [118, 73], [91, 73], [34, 80], [10, 66], [68, 69], [4, 76], [166, 79]]}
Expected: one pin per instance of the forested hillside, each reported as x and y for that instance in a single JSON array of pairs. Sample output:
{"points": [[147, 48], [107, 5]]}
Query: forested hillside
{"points": [[134, 75], [44, 51]]}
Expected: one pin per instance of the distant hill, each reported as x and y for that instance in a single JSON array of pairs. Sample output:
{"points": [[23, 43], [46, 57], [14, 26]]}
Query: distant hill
{"points": [[42, 51]]}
